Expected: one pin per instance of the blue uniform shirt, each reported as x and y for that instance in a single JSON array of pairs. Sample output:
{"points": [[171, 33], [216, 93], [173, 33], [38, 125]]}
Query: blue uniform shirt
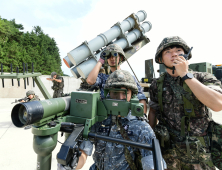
{"points": [[110, 156]]}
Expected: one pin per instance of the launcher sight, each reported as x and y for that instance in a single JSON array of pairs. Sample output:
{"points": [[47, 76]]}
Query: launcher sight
{"points": [[80, 111]]}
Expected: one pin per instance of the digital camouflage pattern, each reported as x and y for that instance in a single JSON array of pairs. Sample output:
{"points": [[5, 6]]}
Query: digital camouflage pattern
{"points": [[169, 41], [30, 92], [58, 87], [111, 156], [101, 81], [173, 111], [35, 98], [127, 154], [173, 159], [216, 145], [114, 156], [121, 78], [162, 133], [116, 48]]}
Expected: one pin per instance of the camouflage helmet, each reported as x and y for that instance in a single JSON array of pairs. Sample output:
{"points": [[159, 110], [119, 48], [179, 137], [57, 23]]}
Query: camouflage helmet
{"points": [[121, 78], [30, 92], [117, 48], [169, 41], [53, 73]]}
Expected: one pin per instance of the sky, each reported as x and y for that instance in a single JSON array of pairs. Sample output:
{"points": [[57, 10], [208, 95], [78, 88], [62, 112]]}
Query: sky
{"points": [[71, 22]]}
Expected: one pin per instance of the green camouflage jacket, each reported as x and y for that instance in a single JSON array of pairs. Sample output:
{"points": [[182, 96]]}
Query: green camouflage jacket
{"points": [[173, 108], [35, 98], [57, 85]]}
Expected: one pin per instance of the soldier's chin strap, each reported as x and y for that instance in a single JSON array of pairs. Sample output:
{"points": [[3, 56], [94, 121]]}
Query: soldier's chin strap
{"points": [[184, 55], [106, 64], [171, 68]]}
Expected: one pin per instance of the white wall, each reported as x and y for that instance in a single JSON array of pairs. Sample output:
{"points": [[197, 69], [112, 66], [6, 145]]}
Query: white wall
{"points": [[9, 91]]}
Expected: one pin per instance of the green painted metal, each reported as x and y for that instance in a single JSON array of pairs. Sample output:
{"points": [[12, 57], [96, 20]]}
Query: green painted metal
{"points": [[149, 70], [102, 111], [201, 67], [84, 104], [35, 76], [19, 75], [81, 108], [48, 119], [42, 88], [45, 130], [119, 107], [53, 106], [43, 147]]}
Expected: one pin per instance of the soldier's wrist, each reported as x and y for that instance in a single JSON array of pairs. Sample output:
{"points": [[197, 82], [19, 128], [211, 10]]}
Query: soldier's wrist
{"points": [[183, 74]]}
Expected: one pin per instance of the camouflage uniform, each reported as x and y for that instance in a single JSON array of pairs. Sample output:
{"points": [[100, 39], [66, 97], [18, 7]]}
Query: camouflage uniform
{"points": [[57, 87], [111, 156], [101, 79], [35, 97], [175, 154]]}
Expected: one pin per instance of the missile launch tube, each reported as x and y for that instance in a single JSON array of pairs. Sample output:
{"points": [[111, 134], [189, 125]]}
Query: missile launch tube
{"points": [[86, 67], [67, 62], [75, 72], [80, 53], [32, 112]]}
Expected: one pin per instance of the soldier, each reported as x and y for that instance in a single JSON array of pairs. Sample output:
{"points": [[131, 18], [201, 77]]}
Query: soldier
{"points": [[114, 53], [181, 100], [112, 156], [58, 84], [31, 96]]}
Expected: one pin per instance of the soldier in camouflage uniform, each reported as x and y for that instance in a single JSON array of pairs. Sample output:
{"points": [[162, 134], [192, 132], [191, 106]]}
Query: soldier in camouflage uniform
{"points": [[113, 156], [58, 84], [113, 53], [31, 96], [181, 101]]}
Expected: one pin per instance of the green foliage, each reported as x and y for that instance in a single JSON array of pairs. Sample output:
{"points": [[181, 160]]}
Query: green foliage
{"points": [[35, 47]]}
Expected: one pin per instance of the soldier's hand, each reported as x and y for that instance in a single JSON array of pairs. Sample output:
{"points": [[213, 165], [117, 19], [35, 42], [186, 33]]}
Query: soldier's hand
{"points": [[49, 79], [102, 58], [22, 101], [181, 65]]}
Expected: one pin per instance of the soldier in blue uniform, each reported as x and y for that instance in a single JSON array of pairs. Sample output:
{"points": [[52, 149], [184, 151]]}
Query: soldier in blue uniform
{"points": [[99, 79], [113, 156]]}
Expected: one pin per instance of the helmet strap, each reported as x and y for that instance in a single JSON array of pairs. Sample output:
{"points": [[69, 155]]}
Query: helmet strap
{"points": [[171, 68], [106, 65]]}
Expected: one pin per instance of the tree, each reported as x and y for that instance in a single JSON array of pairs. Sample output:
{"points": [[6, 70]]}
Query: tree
{"points": [[17, 47]]}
